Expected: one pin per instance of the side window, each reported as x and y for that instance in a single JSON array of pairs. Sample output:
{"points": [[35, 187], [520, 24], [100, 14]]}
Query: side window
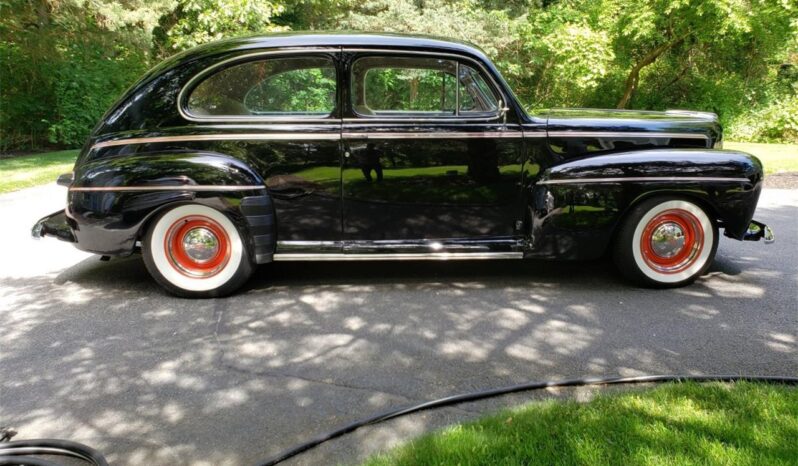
{"points": [[404, 86], [418, 86], [287, 86], [475, 94]]}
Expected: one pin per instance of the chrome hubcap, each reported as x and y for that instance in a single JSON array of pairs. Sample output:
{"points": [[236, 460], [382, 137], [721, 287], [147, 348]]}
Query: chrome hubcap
{"points": [[200, 244], [667, 240]]}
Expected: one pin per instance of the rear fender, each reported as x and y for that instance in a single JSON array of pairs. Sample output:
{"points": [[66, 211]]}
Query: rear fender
{"points": [[113, 199]]}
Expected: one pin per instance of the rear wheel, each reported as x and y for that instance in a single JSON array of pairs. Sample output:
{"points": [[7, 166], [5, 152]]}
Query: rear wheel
{"points": [[196, 251], [666, 243]]}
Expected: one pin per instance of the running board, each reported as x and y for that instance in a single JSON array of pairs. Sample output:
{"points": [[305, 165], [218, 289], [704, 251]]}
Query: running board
{"points": [[398, 256]]}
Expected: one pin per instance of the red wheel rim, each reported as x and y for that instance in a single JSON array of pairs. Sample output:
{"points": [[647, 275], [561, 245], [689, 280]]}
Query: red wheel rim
{"points": [[197, 246], [672, 241]]}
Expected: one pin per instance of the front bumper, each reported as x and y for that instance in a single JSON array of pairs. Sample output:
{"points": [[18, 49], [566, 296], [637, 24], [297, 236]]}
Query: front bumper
{"points": [[55, 225], [757, 231]]}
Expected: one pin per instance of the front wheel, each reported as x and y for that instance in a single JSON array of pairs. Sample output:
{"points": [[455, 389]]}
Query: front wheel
{"points": [[195, 251], [666, 243]]}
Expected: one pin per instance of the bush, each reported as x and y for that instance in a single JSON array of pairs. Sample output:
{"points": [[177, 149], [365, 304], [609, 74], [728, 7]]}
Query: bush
{"points": [[86, 84], [777, 122]]}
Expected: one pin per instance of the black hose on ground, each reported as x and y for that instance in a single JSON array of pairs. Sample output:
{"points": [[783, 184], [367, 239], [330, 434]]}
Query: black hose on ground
{"points": [[474, 396], [24, 452]]}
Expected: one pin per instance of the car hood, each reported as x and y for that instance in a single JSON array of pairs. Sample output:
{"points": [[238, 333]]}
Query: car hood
{"points": [[633, 121]]}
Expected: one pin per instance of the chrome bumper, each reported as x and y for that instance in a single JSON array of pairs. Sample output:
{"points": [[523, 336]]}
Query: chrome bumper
{"points": [[55, 225], [757, 231]]}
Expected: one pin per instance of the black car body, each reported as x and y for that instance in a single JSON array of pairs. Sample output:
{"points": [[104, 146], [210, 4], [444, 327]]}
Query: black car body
{"points": [[347, 146]]}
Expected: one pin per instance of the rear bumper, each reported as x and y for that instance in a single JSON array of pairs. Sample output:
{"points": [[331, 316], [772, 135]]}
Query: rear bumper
{"points": [[757, 231], [55, 225]]}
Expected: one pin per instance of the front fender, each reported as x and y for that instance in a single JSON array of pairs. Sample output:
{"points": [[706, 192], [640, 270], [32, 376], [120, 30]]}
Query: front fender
{"points": [[707, 163], [575, 207]]}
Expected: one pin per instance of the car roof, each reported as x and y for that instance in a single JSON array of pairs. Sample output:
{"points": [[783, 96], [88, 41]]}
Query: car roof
{"points": [[323, 39], [344, 39], [298, 40]]}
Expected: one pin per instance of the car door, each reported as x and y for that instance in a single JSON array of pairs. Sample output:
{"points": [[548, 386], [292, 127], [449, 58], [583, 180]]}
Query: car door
{"points": [[432, 160], [291, 101]]}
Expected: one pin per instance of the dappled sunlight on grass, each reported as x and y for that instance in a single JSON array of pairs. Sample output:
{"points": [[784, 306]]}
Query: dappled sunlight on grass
{"points": [[688, 423]]}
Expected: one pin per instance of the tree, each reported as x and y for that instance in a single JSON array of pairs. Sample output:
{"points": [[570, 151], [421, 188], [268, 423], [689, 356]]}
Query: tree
{"points": [[194, 22], [63, 62], [709, 32]]}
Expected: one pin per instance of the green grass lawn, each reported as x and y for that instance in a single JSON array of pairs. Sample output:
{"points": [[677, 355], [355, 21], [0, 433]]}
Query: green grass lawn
{"points": [[674, 424], [32, 170], [775, 157]]}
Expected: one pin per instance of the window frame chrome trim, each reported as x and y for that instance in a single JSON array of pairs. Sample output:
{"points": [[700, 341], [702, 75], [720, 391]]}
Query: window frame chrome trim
{"points": [[639, 179], [182, 104]]}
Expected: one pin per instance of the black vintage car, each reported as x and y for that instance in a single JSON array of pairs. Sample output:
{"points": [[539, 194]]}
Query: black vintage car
{"points": [[375, 147]]}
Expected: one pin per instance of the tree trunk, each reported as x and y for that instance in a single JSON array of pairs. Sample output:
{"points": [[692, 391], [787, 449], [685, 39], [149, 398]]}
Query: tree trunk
{"points": [[634, 74]]}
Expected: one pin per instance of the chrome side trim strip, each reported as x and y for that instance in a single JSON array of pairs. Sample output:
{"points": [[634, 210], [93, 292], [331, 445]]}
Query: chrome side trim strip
{"points": [[442, 119], [609, 134], [398, 256], [311, 137], [435, 135], [186, 187], [634, 179], [222, 137], [310, 243]]}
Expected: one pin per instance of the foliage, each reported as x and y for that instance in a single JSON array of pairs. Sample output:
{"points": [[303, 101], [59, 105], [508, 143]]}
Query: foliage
{"points": [[195, 22], [63, 62], [685, 424], [775, 122], [303, 90]]}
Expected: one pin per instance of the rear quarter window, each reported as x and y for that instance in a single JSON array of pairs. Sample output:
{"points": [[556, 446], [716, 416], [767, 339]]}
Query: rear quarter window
{"points": [[271, 87]]}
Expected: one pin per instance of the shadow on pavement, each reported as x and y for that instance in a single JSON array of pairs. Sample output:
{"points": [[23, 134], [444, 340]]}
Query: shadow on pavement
{"points": [[99, 354]]}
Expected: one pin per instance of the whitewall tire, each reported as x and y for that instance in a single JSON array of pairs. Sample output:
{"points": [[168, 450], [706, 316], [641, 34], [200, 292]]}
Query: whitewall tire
{"points": [[196, 251], [666, 242]]}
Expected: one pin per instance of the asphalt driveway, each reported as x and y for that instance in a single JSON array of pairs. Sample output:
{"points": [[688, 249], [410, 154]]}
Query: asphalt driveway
{"points": [[93, 351]]}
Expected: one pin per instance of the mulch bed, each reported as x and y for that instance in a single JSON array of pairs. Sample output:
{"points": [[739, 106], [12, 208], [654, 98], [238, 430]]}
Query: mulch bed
{"points": [[786, 180]]}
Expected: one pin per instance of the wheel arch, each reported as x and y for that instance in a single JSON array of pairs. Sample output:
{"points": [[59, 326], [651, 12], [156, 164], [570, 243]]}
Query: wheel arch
{"points": [[254, 217], [114, 205]]}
